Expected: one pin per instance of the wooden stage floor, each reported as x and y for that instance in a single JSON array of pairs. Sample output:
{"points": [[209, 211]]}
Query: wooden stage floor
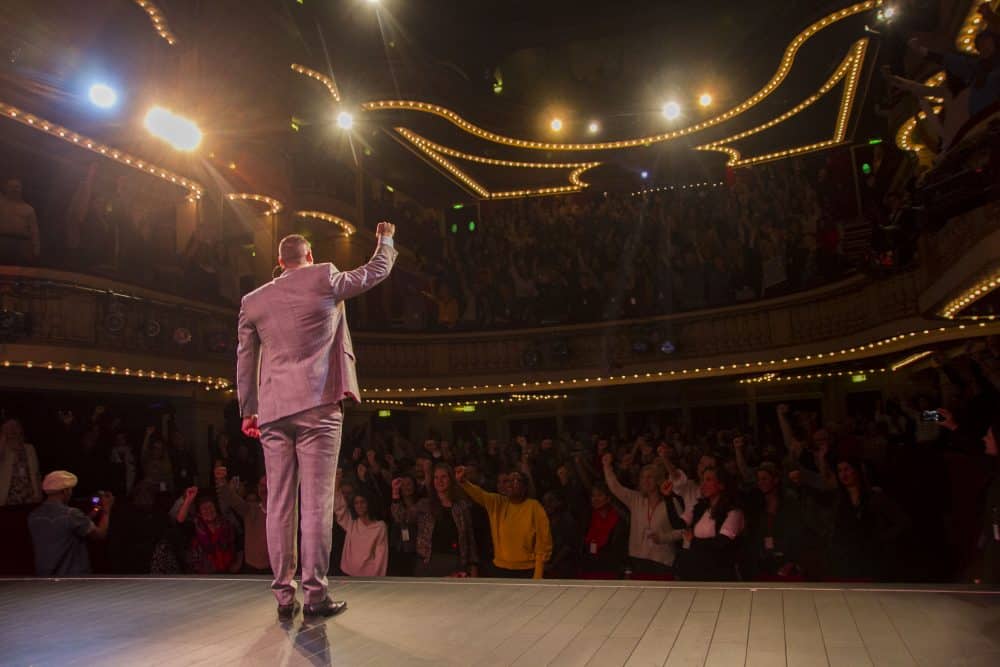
{"points": [[213, 621]]}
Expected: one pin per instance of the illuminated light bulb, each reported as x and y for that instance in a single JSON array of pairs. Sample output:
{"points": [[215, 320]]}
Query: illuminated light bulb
{"points": [[179, 132], [671, 110], [705, 100], [556, 124], [345, 121]]}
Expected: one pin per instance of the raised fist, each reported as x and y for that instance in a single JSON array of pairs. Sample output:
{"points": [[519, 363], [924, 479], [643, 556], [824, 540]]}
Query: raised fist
{"points": [[738, 442], [607, 460], [397, 484], [190, 493], [220, 473], [666, 487], [385, 230], [460, 474], [783, 409]]}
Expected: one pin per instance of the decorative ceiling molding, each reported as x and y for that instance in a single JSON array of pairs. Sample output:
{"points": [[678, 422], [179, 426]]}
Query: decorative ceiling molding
{"points": [[195, 189], [327, 81], [779, 76], [274, 206], [328, 217], [965, 43], [436, 153], [158, 20], [849, 71]]}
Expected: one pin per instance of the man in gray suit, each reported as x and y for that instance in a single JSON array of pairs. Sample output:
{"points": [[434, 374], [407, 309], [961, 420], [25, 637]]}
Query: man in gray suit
{"points": [[294, 367]]}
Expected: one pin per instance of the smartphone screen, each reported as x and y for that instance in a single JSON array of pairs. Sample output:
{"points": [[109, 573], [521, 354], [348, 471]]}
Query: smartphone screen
{"points": [[931, 416]]}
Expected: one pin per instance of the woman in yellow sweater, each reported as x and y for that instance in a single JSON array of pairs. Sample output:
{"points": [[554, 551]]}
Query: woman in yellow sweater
{"points": [[522, 541]]}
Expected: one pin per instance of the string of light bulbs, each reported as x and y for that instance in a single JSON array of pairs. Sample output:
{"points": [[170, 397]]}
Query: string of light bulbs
{"points": [[35, 122]]}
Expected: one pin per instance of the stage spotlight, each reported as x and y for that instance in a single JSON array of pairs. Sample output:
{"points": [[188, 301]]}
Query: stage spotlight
{"points": [[887, 14], [705, 99], [102, 95], [671, 110], [594, 127], [345, 121], [644, 174], [556, 124], [177, 131]]}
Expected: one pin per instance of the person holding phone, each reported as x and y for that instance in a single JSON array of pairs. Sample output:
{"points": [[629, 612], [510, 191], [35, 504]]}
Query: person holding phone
{"points": [[59, 532]]}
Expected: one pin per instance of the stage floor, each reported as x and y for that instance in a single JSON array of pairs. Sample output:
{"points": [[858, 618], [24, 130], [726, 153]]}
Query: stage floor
{"points": [[212, 621]]}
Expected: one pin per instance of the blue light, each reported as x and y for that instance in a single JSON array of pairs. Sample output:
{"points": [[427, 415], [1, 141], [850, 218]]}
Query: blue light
{"points": [[644, 174], [102, 95]]}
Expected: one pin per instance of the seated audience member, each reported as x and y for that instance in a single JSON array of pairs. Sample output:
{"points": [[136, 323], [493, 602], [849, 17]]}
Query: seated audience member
{"points": [[366, 543], [652, 533], [867, 526], [605, 544], [565, 538], [19, 477], [253, 511], [445, 539], [59, 532], [211, 539], [522, 538], [774, 529], [713, 526]]}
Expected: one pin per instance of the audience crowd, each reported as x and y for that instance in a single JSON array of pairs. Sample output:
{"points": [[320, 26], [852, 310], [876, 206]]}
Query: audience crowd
{"points": [[903, 492], [768, 231]]}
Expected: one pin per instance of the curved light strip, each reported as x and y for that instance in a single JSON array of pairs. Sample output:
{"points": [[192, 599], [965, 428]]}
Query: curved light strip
{"points": [[964, 42], [195, 189], [328, 217], [273, 205], [686, 186], [980, 289], [768, 378], [849, 71], [158, 20], [514, 398], [831, 356], [415, 138], [330, 84], [429, 149], [911, 359], [779, 76], [207, 380]]}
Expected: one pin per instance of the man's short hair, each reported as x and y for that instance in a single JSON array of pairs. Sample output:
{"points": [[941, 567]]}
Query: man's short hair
{"points": [[293, 249]]}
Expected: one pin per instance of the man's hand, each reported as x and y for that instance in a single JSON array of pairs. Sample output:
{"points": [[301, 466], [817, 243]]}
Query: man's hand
{"points": [[250, 427], [460, 474], [738, 443], [607, 460], [189, 494], [783, 409], [397, 485], [107, 500], [385, 230]]}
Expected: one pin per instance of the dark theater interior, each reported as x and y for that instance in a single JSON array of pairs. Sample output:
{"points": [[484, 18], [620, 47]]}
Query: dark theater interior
{"points": [[399, 332]]}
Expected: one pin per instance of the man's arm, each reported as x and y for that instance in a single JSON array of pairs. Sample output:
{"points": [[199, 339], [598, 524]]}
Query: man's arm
{"points": [[247, 363], [348, 284]]}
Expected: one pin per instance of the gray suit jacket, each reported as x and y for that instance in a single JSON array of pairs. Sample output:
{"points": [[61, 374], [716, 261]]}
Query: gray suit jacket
{"points": [[295, 350]]}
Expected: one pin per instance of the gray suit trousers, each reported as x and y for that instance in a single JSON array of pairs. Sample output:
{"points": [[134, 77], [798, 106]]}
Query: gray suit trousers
{"points": [[301, 449]]}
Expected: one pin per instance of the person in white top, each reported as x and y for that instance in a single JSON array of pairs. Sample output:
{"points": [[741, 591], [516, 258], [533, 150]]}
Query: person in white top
{"points": [[654, 527], [713, 526], [366, 546]]}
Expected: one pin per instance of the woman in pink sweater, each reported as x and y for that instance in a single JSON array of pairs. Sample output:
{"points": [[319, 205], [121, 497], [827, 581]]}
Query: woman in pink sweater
{"points": [[366, 547]]}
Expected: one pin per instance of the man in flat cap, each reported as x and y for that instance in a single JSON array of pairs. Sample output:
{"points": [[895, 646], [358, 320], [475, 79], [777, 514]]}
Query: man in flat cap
{"points": [[59, 532]]}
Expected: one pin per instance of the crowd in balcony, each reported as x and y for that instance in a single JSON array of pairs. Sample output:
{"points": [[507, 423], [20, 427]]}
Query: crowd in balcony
{"points": [[895, 493], [767, 231]]}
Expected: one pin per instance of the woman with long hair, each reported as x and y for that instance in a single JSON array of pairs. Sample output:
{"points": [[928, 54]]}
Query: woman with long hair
{"points": [[713, 525], [366, 544], [866, 529], [445, 540], [20, 483]]}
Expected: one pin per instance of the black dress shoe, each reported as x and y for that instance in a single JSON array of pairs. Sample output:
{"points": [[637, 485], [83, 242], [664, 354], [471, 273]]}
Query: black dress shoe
{"points": [[287, 611], [326, 608]]}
